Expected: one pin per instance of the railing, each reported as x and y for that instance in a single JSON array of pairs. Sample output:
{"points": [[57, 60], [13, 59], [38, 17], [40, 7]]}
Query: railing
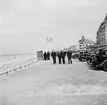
{"points": [[9, 67]]}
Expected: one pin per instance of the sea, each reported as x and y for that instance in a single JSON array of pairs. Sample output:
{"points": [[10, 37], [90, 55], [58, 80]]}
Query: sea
{"points": [[7, 58]]}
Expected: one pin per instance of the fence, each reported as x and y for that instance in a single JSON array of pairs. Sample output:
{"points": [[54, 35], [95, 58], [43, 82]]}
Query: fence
{"points": [[9, 67], [13, 66]]}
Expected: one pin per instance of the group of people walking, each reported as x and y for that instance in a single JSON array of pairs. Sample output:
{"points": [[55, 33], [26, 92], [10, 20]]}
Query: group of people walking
{"points": [[46, 55], [60, 55]]}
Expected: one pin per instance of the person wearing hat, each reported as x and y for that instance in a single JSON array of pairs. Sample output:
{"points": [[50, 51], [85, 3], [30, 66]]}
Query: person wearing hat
{"points": [[69, 56], [62, 53], [53, 55], [59, 56]]}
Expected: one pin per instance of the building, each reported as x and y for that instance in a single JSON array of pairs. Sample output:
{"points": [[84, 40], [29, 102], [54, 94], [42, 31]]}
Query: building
{"points": [[73, 48], [85, 44], [101, 38]]}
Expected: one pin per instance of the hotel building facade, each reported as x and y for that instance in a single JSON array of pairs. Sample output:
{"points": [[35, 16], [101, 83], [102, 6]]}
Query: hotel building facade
{"points": [[101, 38]]}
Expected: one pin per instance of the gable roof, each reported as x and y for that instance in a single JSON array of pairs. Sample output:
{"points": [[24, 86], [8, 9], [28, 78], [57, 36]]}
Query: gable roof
{"points": [[88, 41]]}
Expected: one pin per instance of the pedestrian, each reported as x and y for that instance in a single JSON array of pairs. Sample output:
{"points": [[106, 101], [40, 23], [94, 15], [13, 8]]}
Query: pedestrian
{"points": [[44, 55], [53, 55], [59, 57], [48, 55], [63, 54], [69, 56]]}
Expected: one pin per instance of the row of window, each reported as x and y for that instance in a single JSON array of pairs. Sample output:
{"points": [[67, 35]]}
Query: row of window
{"points": [[101, 34], [85, 44], [101, 41], [102, 29]]}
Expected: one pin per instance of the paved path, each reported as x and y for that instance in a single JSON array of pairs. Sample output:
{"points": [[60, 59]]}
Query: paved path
{"points": [[49, 84]]}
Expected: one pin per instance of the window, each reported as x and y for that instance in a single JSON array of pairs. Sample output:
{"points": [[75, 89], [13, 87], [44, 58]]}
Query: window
{"points": [[97, 52], [106, 53]]}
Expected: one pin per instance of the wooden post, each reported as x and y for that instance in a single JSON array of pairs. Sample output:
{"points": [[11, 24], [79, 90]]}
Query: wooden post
{"points": [[6, 73]]}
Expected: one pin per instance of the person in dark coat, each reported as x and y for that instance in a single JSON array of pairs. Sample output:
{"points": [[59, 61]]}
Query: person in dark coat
{"points": [[63, 54], [48, 55], [53, 55], [69, 56], [59, 57], [44, 55]]}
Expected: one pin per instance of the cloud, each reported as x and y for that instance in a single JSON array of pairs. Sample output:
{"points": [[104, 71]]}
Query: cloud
{"points": [[83, 2], [66, 3], [5, 19], [45, 24], [7, 31], [90, 17], [0, 22], [1, 19], [6, 22], [26, 5], [63, 20], [11, 15]]}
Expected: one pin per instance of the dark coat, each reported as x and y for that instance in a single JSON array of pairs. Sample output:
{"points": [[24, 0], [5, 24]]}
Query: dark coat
{"points": [[62, 54], [45, 54], [53, 54], [69, 54], [48, 54], [59, 54]]}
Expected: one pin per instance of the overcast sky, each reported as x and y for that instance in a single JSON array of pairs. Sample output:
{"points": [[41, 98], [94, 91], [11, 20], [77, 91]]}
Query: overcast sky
{"points": [[25, 24]]}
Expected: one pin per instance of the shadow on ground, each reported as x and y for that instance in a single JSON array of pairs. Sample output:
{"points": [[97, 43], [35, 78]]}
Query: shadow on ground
{"points": [[95, 68]]}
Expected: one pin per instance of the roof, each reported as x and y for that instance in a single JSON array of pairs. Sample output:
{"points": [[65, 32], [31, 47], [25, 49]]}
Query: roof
{"points": [[88, 41], [105, 20]]}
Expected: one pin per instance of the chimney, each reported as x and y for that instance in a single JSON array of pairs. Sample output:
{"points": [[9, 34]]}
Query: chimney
{"points": [[83, 37]]}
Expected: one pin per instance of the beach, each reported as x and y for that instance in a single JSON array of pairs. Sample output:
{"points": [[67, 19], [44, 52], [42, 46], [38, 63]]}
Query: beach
{"points": [[12, 62]]}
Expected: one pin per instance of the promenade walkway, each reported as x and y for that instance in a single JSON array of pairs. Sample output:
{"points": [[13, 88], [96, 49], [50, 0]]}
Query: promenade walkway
{"points": [[47, 84]]}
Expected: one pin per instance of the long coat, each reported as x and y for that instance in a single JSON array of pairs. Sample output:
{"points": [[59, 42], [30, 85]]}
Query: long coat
{"points": [[53, 54], [62, 54], [69, 54]]}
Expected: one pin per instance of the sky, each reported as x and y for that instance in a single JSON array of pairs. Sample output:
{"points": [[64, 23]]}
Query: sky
{"points": [[25, 24]]}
